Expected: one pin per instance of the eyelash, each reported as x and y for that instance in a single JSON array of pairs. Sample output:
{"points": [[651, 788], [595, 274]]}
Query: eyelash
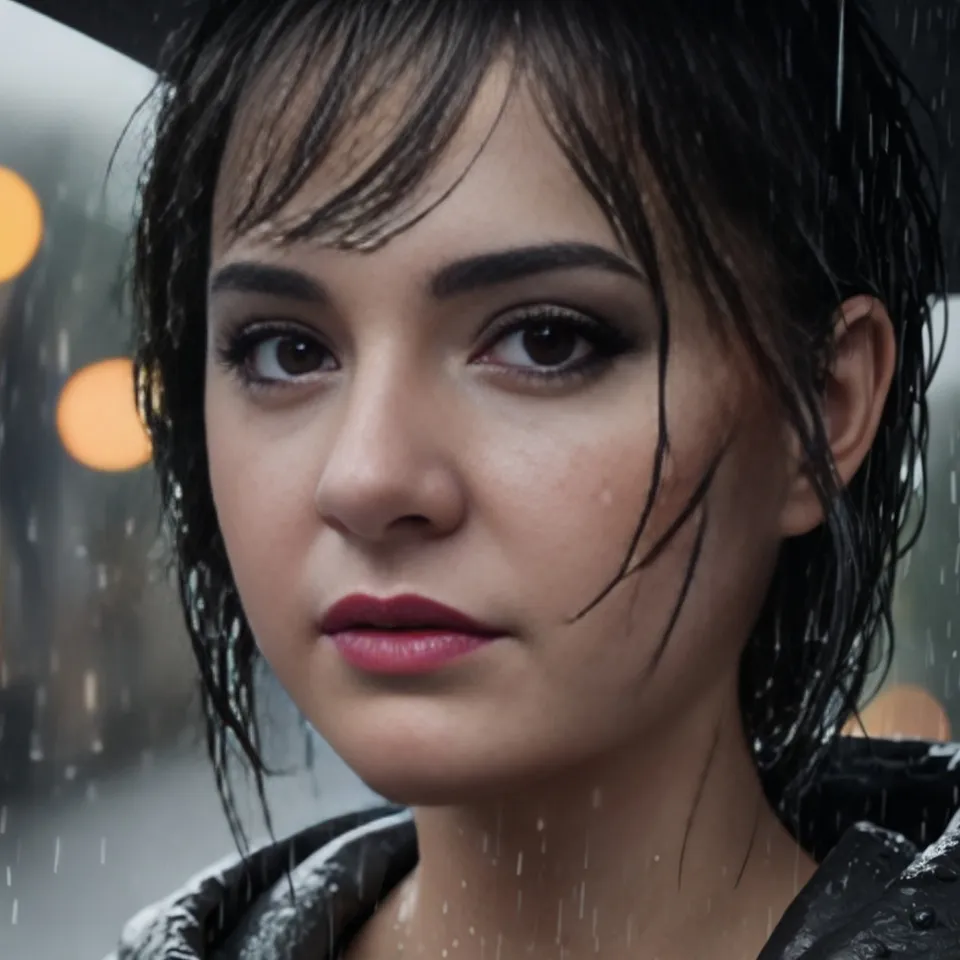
{"points": [[606, 341]]}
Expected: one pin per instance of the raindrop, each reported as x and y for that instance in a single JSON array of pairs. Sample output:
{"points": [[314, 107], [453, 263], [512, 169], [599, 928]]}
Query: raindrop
{"points": [[90, 691], [841, 52], [63, 353]]}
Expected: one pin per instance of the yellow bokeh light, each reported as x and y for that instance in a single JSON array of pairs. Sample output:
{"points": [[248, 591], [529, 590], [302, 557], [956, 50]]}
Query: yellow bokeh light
{"points": [[98, 421], [905, 711], [21, 224]]}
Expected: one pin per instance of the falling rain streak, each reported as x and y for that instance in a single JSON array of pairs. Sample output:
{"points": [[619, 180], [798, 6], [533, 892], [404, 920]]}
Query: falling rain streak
{"points": [[841, 51]]}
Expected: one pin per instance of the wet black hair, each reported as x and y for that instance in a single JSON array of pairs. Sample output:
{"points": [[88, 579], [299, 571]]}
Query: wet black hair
{"points": [[778, 137]]}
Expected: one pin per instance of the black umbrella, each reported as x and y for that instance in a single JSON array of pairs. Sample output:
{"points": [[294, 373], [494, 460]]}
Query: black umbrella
{"points": [[136, 28], [924, 33]]}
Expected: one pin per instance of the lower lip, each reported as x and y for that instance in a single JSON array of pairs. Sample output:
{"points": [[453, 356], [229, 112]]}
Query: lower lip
{"points": [[404, 653]]}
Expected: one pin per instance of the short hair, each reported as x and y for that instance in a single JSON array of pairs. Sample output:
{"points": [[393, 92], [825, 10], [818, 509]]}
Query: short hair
{"points": [[780, 138]]}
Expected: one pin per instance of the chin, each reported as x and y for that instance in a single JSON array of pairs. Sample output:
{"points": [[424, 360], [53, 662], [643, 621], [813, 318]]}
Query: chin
{"points": [[445, 772], [425, 771], [416, 781]]}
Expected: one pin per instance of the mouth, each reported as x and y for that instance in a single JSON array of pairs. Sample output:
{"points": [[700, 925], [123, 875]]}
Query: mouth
{"points": [[403, 614], [406, 634]]}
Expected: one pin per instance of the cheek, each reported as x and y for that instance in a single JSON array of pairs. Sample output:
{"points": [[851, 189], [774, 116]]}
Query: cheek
{"points": [[567, 521], [563, 503], [263, 495]]}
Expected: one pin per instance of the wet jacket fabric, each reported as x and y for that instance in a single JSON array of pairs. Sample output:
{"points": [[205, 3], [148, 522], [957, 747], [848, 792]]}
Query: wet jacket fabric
{"points": [[883, 827]]}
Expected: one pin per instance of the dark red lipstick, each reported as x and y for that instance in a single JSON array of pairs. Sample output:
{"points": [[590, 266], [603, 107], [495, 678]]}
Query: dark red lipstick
{"points": [[402, 635]]}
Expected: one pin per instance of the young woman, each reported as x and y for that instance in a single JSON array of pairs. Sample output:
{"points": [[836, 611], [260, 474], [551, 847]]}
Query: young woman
{"points": [[539, 387]]}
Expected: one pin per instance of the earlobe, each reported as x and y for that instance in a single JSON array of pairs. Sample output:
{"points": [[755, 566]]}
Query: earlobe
{"points": [[854, 395]]}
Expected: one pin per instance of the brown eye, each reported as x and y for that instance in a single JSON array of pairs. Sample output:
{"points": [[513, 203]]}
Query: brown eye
{"points": [[289, 357], [541, 345], [550, 344]]}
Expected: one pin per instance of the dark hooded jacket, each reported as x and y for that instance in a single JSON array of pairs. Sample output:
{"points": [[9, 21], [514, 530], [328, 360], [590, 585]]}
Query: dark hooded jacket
{"points": [[882, 825]]}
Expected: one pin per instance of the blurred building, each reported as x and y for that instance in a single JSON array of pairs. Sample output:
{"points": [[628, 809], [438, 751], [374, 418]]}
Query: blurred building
{"points": [[94, 658]]}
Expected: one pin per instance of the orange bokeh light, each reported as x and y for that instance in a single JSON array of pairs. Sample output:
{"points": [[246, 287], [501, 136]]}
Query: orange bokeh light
{"points": [[21, 224], [904, 711], [97, 418]]}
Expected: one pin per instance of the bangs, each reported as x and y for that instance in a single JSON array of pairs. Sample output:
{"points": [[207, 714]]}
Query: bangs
{"points": [[375, 104], [373, 101]]}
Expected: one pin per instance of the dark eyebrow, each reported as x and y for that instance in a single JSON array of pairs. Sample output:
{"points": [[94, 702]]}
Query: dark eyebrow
{"points": [[508, 266], [267, 280], [454, 279]]}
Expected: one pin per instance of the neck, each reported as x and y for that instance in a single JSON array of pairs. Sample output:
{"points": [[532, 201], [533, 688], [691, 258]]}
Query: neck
{"points": [[660, 847]]}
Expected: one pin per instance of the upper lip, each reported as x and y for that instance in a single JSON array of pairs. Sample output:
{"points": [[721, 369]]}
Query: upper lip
{"points": [[407, 611]]}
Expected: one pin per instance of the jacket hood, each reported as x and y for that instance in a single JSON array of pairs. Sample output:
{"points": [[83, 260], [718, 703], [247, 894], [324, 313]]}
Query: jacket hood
{"points": [[881, 824]]}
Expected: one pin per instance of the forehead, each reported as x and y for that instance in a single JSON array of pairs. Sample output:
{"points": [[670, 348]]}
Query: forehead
{"points": [[502, 179]]}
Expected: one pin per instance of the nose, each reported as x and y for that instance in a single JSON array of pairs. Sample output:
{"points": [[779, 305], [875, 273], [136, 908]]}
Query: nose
{"points": [[388, 474]]}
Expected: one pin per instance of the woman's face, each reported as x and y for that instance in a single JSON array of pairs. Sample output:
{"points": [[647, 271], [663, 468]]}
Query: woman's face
{"points": [[440, 417]]}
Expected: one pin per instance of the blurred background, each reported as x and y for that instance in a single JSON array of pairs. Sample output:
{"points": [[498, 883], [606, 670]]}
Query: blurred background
{"points": [[106, 802]]}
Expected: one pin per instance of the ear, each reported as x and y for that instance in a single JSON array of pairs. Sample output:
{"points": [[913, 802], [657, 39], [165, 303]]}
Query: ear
{"points": [[856, 388]]}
